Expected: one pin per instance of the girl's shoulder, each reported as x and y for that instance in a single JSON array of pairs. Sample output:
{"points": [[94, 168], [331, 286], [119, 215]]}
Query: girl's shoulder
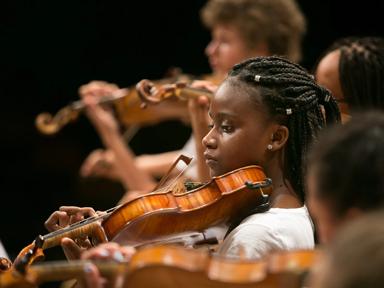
{"points": [[275, 229], [278, 214]]}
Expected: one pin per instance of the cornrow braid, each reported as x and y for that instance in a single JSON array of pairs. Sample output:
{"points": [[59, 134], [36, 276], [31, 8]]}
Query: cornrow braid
{"points": [[362, 73], [361, 70], [293, 99]]}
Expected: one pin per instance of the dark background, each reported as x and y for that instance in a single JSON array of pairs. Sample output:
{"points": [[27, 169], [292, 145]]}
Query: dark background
{"points": [[49, 48]]}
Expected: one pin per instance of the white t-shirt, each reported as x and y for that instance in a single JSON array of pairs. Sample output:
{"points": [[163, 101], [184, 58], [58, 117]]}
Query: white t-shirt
{"points": [[275, 229]]}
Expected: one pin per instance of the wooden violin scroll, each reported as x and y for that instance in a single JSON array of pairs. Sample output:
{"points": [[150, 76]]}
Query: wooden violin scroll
{"points": [[5, 264], [48, 124], [150, 93]]}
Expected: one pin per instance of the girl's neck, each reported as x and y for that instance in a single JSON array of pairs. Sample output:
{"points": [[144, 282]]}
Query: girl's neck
{"points": [[283, 195]]}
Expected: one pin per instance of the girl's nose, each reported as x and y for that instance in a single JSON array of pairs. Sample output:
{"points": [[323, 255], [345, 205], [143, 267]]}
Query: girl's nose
{"points": [[209, 141]]}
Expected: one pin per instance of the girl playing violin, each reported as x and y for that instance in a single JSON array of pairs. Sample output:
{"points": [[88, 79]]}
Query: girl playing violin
{"points": [[267, 112], [352, 69], [240, 29]]}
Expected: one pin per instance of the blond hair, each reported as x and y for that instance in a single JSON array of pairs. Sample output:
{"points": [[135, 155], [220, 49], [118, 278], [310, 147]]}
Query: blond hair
{"points": [[278, 23]]}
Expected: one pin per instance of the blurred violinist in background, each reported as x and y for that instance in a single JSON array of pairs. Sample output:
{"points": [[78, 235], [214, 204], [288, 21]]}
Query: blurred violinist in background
{"points": [[240, 30], [356, 241], [346, 200], [352, 68], [345, 173]]}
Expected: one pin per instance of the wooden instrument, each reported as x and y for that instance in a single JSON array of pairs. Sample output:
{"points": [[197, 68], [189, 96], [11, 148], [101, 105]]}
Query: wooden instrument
{"points": [[173, 266], [128, 104], [5, 264], [150, 93], [163, 216]]}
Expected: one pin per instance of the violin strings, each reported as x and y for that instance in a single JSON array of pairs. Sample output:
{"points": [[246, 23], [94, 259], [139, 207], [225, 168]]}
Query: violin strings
{"points": [[183, 158], [81, 223], [106, 213]]}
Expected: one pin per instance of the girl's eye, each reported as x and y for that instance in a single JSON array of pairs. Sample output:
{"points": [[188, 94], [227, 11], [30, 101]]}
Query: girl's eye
{"points": [[227, 128], [210, 126]]}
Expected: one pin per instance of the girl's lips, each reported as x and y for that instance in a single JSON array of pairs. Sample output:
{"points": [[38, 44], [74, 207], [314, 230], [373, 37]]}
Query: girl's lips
{"points": [[209, 159]]}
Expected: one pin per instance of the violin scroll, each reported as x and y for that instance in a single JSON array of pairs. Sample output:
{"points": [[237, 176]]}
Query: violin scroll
{"points": [[48, 124], [149, 93], [5, 264]]}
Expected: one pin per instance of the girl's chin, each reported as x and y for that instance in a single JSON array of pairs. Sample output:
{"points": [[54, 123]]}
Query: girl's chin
{"points": [[216, 172]]}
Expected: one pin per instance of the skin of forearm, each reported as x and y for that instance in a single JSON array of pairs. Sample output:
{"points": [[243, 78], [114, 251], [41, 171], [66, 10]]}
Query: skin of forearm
{"points": [[132, 176]]}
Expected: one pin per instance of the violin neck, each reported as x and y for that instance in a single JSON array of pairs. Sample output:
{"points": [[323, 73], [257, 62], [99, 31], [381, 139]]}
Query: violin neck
{"points": [[118, 94], [91, 228]]}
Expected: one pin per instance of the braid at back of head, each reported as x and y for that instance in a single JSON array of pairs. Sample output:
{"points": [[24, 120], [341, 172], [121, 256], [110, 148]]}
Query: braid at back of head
{"points": [[361, 71], [293, 99]]}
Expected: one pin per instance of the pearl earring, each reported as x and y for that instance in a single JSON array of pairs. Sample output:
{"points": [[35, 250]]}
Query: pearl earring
{"points": [[269, 147]]}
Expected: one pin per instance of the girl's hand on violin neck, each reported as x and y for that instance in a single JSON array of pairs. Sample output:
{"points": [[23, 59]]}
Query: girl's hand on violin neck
{"points": [[67, 215]]}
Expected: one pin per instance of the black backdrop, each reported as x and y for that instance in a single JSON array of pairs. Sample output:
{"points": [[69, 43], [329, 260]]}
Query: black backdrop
{"points": [[50, 48]]}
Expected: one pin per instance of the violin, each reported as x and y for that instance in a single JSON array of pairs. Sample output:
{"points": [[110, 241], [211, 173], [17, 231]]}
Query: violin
{"points": [[5, 264], [170, 265], [165, 216], [150, 94], [128, 104]]}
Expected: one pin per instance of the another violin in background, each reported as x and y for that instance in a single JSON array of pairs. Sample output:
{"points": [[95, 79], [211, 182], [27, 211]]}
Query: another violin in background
{"points": [[169, 266], [128, 104], [5, 264], [150, 93]]}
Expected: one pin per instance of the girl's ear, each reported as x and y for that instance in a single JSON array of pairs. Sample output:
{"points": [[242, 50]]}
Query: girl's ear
{"points": [[279, 137]]}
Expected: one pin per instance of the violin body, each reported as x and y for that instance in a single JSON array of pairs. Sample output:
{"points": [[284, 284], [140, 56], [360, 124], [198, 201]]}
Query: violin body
{"points": [[163, 215], [129, 111]]}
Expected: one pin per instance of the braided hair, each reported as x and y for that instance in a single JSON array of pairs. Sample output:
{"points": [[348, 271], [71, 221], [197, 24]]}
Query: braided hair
{"points": [[293, 99], [361, 70]]}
